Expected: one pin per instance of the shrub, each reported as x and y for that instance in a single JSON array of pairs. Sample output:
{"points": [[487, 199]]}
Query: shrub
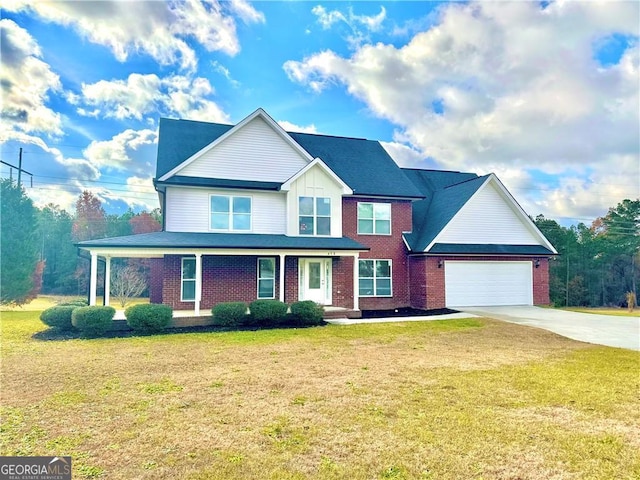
{"points": [[228, 314], [93, 321], [151, 317], [307, 312], [74, 303], [267, 312], [58, 317]]}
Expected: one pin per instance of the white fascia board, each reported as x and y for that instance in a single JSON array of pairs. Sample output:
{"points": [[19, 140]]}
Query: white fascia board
{"points": [[406, 244], [286, 186], [513, 204], [115, 252], [258, 113]]}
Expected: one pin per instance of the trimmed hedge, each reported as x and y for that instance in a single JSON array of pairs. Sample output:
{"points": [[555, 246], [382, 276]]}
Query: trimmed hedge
{"points": [[58, 317], [266, 313], [148, 318], [307, 312], [74, 303], [229, 314], [93, 321]]}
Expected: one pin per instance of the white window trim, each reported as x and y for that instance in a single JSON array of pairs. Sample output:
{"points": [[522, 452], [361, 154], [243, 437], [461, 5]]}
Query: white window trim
{"points": [[374, 219], [231, 229], [315, 216], [258, 278], [182, 280], [375, 278]]}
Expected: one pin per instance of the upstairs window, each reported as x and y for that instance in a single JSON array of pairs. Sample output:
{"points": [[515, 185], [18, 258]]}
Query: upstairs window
{"points": [[230, 213], [374, 218], [374, 278], [314, 215], [266, 278]]}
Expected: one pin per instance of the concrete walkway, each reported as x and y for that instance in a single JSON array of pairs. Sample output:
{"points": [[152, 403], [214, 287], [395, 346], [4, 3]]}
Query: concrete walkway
{"points": [[609, 330]]}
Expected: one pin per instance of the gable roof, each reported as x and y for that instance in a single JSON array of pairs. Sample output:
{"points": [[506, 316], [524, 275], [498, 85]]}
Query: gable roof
{"points": [[445, 194], [363, 165]]}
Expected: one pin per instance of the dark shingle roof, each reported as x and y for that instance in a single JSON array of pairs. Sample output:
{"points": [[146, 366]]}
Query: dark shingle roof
{"points": [[224, 240], [364, 165], [445, 194], [488, 249], [219, 183]]}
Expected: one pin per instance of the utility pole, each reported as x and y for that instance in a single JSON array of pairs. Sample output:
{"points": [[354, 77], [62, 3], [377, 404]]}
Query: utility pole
{"points": [[19, 166]]}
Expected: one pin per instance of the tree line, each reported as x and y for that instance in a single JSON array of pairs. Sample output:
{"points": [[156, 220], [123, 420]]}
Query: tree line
{"points": [[597, 264], [37, 250]]}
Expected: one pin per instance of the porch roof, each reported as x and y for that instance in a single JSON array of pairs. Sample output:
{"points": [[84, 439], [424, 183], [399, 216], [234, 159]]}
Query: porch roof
{"points": [[158, 240]]}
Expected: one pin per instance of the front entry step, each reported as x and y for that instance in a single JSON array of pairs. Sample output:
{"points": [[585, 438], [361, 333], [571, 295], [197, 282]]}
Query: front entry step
{"points": [[332, 313]]}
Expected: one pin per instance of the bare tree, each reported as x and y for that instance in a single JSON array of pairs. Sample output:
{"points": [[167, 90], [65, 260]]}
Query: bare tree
{"points": [[126, 283]]}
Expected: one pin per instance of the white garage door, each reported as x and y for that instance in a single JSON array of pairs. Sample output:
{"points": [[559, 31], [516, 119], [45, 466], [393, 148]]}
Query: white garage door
{"points": [[488, 283]]}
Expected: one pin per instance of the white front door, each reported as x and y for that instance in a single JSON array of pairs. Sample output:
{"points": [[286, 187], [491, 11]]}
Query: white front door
{"points": [[315, 280]]}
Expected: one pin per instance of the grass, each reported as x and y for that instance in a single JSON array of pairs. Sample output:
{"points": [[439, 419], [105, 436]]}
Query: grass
{"points": [[474, 398]]}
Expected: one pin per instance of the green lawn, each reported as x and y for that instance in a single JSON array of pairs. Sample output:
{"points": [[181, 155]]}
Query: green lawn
{"points": [[471, 399], [620, 312]]}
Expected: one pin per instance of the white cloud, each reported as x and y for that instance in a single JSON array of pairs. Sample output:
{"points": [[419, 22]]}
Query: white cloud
{"points": [[159, 29], [26, 82], [292, 127], [141, 95], [507, 86], [359, 25], [116, 153], [404, 155]]}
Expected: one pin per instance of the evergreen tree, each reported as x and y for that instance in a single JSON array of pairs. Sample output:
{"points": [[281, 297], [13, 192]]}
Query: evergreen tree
{"points": [[18, 244]]}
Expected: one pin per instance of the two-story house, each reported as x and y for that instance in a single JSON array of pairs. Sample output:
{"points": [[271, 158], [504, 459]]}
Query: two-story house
{"points": [[252, 211]]}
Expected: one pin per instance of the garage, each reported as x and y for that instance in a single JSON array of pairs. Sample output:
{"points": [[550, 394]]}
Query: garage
{"points": [[479, 283]]}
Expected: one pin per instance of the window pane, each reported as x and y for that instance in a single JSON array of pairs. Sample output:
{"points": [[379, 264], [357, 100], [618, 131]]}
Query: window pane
{"points": [[241, 205], [383, 227], [365, 287], [383, 211], [220, 221], [265, 288], [383, 269], [306, 225], [267, 268], [241, 221], [365, 226], [365, 210], [189, 268], [324, 226], [219, 203], [383, 287], [366, 268], [323, 206], [306, 205], [314, 275], [188, 290]]}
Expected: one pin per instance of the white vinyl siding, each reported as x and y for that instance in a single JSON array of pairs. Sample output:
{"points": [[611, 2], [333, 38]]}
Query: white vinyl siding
{"points": [[188, 210], [488, 218], [477, 283], [188, 280], [254, 152], [374, 278]]}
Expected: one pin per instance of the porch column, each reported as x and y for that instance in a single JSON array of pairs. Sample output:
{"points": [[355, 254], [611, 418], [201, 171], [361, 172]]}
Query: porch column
{"points": [[356, 289], [93, 278], [198, 282], [107, 279], [282, 256]]}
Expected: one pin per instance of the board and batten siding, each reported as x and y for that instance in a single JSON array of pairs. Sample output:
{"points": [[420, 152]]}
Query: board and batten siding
{"points": [[187, 210], [315, 182], [254, 152], [488, 218]]}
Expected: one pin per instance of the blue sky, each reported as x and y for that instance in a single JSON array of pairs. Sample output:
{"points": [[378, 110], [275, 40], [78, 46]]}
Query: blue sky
{"points": [[545, 95]]}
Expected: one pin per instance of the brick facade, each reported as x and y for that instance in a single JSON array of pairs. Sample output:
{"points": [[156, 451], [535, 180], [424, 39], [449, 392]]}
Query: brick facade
{"points": [[383, 247]]}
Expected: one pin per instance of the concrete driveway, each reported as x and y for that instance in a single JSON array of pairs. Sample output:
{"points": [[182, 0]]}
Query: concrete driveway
{"points": [[609, 330]]}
